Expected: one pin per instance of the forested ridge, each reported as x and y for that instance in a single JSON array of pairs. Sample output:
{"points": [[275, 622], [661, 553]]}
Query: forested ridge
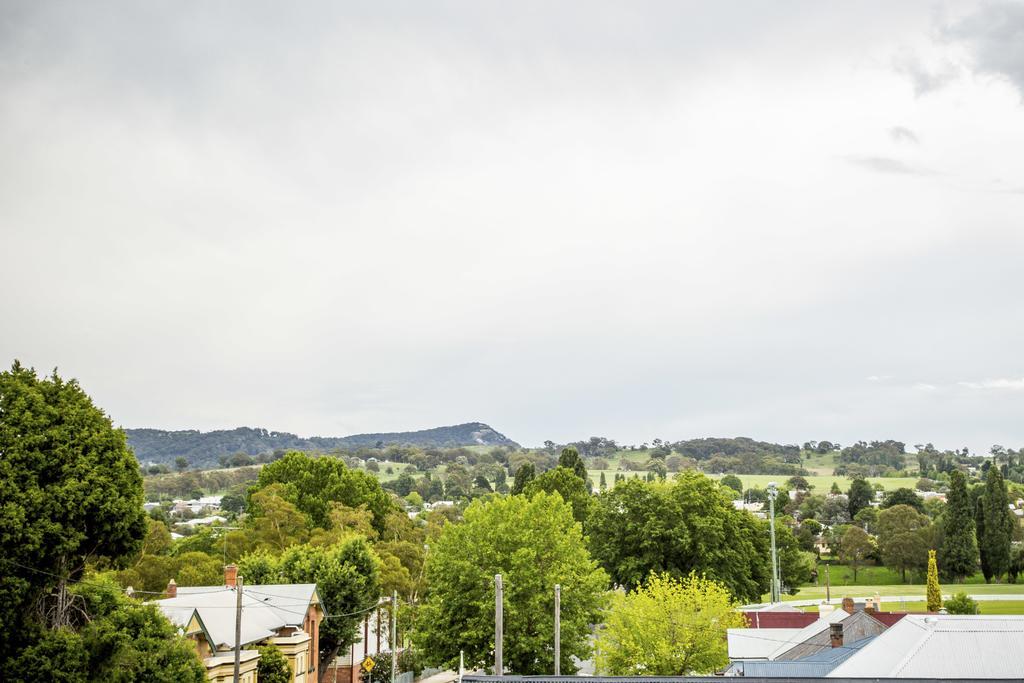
{"points": [[204, 449]]}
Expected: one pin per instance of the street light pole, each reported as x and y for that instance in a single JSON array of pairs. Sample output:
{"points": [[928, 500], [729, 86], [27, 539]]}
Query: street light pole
{"points": [[772, 492]]}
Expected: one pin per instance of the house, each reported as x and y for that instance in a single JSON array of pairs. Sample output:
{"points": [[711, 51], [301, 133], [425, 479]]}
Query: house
{"points": [[815, 665], [825, 631], [203, 521], [285, 615], [941, 646]]}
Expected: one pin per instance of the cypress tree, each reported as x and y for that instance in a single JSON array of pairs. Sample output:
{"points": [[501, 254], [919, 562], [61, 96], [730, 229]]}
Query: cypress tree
{"points": [[998, 531], [934, 592], [959, 551], [979, 529], [524, 475], [603, 484]]}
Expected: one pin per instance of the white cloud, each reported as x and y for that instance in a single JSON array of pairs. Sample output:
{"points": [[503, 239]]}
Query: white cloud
{"points": [[1003, 383]]}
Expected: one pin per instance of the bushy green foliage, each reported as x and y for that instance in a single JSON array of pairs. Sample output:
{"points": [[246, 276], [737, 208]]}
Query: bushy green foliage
{"points": [[524, 475], [903, 538], [688, 525], [961, 603], [272, 666], [567, 484], [112, 639], [903, 496], [312, 484], [347, 577], [668, 627], [534, 543], [70, 492]]}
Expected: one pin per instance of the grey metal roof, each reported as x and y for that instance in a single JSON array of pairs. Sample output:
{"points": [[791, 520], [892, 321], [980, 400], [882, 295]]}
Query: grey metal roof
{"points": [[942, 646], [266, 608], [814, 666]]}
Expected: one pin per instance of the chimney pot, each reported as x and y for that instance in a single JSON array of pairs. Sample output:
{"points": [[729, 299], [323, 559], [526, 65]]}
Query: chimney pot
{"points": [[848, 605], [231, 575], [172, 589], [836, 634]]}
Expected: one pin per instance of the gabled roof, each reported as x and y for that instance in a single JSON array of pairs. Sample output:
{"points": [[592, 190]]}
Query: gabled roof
{"points": [[814, 666], [856, 627], [942, 646], [265, 610]]}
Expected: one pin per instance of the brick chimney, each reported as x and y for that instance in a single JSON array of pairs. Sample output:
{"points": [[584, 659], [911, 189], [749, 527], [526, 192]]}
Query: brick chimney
{"points": [[172, 589], [835, 633], [848, 605], [231, 575]]}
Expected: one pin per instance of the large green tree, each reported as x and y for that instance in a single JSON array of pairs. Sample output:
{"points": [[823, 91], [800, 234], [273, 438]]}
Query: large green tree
{"points": [[903, 496], [639, 528], [70, 493], [568, 485], [903, 538], [995, 537], [854, 547], [570, 459], [958, 555], [534, 543], [313, 483], [524, 475], [347, 578], [668, 627], [859, 496]]}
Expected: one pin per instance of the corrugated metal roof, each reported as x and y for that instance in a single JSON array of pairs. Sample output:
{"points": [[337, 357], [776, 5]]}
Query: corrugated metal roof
{"points": [[758, 643], [942, 646], [265, 609]]}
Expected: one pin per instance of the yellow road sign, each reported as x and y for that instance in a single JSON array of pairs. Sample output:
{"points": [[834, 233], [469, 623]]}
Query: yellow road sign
{"points": [[367, 664]]}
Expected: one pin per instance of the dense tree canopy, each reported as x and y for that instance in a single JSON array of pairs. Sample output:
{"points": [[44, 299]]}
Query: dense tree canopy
{"points": [[70, 493], [110, 638], [903, 538], [534, 543], [639, 528], [312, 484], [347, 578], [903, 496], [568, 485]]}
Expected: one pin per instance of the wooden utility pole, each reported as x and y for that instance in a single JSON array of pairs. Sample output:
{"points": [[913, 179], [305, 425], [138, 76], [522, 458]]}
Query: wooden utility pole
{"points": [[394, 635], [499, 629], [558, 629], [238, 627]]}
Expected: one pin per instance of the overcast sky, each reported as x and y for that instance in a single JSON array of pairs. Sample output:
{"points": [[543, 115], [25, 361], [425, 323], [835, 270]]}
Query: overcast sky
{"points": [[789, 221]]}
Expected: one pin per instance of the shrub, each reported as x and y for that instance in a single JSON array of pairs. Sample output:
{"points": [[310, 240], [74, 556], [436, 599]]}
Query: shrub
{"points": [[961, 603]]}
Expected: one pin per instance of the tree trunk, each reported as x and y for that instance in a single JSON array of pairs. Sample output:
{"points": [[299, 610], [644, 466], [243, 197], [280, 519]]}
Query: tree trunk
{"points": [[321, 670]]}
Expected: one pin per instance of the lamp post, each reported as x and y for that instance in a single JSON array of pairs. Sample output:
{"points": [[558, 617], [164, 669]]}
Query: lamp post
{"points": [[772, 492]]}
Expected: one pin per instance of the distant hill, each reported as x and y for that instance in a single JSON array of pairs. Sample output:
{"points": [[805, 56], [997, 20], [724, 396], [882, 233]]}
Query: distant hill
{"points": [[203, 449]]}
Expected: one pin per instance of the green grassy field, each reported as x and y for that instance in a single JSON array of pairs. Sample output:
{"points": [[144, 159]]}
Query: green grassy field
{"points": [[818, 592], [985, 606], [822, 483]]}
